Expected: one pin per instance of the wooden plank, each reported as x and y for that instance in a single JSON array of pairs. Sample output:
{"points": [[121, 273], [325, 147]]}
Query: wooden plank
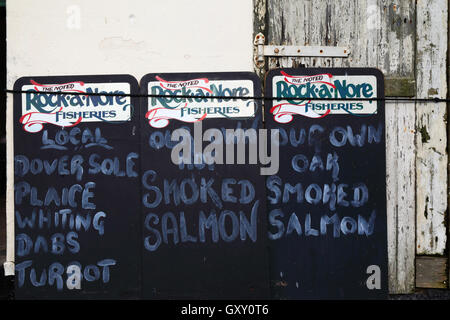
{"points": [[431, 140], [399, 87], [400, 190], [379, 34], [448, 126], [259, 14], [431, 272], [2, 230], [259, 26]]}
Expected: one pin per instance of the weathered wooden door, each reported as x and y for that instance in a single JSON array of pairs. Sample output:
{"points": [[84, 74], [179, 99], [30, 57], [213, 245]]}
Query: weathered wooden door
{"points": [[406, 40]]}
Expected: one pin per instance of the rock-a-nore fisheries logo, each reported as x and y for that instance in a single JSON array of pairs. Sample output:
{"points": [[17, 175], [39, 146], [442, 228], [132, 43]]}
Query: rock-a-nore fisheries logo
{"points": [[314, 87], [41, 106], [192, 100]]}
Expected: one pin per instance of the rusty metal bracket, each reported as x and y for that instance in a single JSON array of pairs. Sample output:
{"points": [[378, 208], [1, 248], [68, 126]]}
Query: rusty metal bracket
{"points": [[294, 51], [259, 54]]}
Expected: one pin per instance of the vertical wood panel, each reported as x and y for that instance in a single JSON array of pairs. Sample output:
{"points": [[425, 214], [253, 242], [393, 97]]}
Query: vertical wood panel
{"points": [[400, 189], [396, 57], [431, 272], [448, 134], [259, 26], [381, 34], [431, 125]]}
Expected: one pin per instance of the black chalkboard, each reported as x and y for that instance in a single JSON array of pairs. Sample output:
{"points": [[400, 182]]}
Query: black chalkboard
{"points": [[327, 204], [104, 209], [204, 225], [77, 199]]}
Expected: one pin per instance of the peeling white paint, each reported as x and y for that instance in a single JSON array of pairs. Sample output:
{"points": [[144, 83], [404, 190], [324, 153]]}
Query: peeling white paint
{"points": [[431, 139], [400, 193]]}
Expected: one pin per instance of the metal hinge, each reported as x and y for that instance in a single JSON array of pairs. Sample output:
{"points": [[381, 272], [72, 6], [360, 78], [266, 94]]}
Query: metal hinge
{"points": [[295, 51]]}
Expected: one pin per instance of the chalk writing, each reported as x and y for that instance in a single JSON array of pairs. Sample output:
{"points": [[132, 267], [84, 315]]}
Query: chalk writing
{"points": [[326, 205], [77, 165], [75, 137], [54, 274], [363, 226], [172, 229], [73, 182]]}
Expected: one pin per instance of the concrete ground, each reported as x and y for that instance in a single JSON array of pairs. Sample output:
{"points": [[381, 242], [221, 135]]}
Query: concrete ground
{"points": [[423, 294], [7, 289]]}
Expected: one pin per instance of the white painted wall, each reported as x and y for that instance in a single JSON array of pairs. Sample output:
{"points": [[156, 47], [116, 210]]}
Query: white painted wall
{"points": [[66, 37]]}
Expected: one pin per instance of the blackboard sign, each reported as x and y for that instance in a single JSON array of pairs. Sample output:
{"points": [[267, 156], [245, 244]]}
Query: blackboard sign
{"points": [[77, 200], [184, 195], [327, 204], [204, 220]]}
